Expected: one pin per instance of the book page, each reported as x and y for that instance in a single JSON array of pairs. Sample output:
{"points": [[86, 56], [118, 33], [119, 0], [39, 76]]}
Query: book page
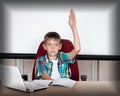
{"points": [[30, 86], [64, 82], [42, 82]]}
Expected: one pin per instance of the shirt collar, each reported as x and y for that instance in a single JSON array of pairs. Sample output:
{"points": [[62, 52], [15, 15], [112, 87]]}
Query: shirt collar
{"points": [[47, 59]]}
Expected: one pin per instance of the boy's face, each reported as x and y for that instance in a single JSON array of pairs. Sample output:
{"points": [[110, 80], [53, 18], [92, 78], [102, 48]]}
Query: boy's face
{"points": [[52, 46]]}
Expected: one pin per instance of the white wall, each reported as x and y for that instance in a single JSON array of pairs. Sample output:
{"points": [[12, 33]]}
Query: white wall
{"points": [[25, 26]]}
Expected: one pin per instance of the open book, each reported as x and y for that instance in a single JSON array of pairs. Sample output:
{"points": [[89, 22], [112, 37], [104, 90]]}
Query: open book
{"points": [[41, 84]]}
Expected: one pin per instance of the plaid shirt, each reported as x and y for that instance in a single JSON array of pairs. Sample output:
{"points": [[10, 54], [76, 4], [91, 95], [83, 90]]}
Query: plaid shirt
{"points": [[43, 65]]}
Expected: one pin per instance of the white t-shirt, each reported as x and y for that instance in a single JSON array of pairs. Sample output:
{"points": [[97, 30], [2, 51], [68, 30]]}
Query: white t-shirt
{"points": [[55, 73]]}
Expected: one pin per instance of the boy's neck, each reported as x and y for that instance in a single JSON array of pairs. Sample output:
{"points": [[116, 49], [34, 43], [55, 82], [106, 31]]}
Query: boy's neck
{"points": [[52, 57]]}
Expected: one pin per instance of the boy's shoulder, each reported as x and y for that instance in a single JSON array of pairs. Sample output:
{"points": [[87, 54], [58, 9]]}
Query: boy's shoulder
{"points": [[63, 55], [60, 53]]}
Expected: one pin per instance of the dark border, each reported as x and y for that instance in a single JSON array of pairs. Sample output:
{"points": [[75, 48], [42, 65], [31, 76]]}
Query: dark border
{"points": [[79, 57]]}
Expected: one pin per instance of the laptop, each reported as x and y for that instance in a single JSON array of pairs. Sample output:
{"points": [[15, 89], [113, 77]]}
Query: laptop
{"points": [[11, 77]]}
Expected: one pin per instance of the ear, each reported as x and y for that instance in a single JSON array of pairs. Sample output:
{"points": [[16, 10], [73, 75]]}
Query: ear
{"points": [[44, 47], [60, 46]]}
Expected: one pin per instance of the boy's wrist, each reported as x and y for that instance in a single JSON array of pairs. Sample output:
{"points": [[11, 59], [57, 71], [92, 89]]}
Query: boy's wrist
{"points": [[74, 28]]}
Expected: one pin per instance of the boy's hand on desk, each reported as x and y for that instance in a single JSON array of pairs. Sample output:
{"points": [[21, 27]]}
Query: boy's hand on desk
{"points": [[46, 76]]}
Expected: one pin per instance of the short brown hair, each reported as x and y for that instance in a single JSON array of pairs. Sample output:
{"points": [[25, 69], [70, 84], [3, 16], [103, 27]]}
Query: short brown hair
{"points": [[52, 35]]}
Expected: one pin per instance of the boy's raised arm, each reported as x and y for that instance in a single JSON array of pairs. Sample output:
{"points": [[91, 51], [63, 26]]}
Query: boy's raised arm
{"points": [[72, 24]]}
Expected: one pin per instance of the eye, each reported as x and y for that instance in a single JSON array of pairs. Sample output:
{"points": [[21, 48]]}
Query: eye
{"points": [[49, 44], [56, 44]]}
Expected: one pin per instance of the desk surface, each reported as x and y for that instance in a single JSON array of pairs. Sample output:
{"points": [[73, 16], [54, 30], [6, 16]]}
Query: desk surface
{"points": [[81, 88]]}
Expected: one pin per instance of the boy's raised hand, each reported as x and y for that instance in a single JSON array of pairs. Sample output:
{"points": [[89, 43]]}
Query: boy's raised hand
{"points": [[72, 23], [72, 19]]}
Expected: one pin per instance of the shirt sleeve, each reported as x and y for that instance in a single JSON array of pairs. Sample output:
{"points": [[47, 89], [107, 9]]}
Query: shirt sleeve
{"points": [[38, 71], [40, 67], [66, 57]]}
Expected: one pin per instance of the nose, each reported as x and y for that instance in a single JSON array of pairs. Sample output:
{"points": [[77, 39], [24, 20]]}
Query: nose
{"points": [[53, 47]]}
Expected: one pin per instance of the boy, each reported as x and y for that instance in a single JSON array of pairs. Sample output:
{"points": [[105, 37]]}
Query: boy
{"points": [[54, 64]]}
